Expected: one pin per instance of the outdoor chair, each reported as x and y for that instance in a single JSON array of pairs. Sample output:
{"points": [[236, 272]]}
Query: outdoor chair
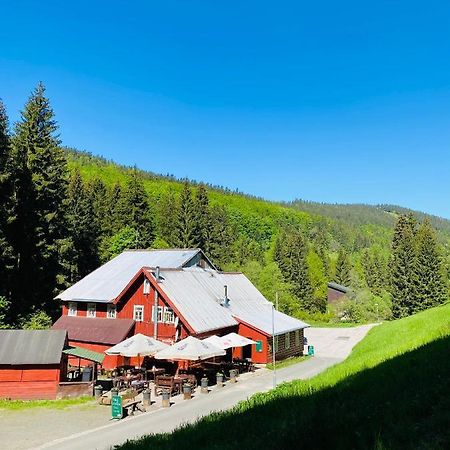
{"points": [[166, 383]]}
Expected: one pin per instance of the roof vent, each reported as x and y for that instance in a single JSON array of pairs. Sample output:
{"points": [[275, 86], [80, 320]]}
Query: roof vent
{"points": [[225, 301], [157, 274]]}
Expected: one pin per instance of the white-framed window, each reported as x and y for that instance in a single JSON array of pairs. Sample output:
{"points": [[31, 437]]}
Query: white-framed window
{"points": [[146, 286], [297, 338], [72, 310], [138, 313], [159, 317], [169, 315], [287, 340], [91, 310], [111, 311]]}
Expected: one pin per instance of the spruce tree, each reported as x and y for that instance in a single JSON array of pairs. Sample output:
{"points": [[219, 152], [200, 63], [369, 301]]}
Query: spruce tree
{"points": [[374, 268], [135, 211], [39, 225], [431, 283], [221, 237], [99, 198], [203, 219], [186, 230], [403, 268], [291, 256], [343, 269], [168, 218], [114, 199], [83, 229], [5, 201]]}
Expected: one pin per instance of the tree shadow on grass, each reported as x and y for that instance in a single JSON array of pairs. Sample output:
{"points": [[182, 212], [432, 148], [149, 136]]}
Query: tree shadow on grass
{"points": [[401, 403]]}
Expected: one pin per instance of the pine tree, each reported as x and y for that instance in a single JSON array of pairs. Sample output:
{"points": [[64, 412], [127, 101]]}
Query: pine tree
{"points": [[186, 230], [39, 225], [431, 283], [343, 269], [403, 268], [135, 211]]}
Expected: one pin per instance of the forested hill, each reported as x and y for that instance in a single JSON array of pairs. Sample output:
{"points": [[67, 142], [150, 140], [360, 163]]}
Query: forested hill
{"points": [[362, 214], [349, 244], [64, 212]]}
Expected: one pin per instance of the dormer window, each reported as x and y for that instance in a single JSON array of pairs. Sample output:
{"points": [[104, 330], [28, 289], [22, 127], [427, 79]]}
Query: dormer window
{"points": [[72, 310], [111, 311], [146, 286], [91, 310]]}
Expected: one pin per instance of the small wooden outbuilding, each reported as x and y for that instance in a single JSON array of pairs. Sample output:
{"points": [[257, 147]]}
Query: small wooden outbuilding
{"points": [[32, 363], [336, 292]]}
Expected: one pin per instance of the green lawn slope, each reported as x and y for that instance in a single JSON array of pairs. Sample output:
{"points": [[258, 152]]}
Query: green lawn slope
{"points": [[392, 392]]}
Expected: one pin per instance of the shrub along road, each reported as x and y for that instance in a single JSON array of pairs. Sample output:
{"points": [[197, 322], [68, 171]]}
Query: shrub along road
{"points": [[331, 347]]}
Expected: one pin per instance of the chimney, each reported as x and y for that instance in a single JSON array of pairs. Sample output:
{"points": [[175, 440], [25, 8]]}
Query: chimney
{"points": [[157, 276]]}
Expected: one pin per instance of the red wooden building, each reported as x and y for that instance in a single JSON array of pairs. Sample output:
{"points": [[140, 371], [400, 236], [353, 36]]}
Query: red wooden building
{"points": [[170, 294], [336, 292], [32, 363]]}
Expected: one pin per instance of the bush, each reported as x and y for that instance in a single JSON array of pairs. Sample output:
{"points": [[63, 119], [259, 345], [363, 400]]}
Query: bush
{"points": [[37, 321], [363, 306]]}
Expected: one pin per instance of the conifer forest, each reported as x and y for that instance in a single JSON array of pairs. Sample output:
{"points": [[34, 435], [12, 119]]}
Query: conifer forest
{"points": [[63, 212]]}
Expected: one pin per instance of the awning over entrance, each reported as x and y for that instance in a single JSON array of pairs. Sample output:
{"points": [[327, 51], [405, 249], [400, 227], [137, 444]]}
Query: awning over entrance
{"points": [[84, 353]]}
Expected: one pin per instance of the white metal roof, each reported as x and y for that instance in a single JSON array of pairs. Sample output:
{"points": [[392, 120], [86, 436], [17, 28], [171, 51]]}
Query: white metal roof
{"points": [[250, 306], [107, 282], [198, 294]]}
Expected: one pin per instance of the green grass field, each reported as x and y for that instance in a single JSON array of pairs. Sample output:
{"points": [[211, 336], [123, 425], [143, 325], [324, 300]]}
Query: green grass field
{"points": [[392, 392], [55, 404]]}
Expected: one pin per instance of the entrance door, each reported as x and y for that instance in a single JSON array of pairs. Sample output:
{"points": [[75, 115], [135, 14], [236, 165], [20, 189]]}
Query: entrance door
{"points": [[247, 351]]}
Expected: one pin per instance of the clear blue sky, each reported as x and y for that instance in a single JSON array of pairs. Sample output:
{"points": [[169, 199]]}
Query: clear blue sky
{"points": [[330, 101]]}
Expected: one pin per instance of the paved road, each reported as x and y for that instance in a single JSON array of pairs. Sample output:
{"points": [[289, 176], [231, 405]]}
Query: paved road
{"points": [[331, 347]]}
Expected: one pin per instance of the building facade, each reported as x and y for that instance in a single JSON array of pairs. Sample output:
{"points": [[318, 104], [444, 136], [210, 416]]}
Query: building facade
{"points": [[172, 294]]}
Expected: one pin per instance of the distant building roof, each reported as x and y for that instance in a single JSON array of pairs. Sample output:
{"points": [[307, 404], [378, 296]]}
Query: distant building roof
{"points": [[18, 347], [107, 282], [198, 295], [339, 287], [99, 330]]}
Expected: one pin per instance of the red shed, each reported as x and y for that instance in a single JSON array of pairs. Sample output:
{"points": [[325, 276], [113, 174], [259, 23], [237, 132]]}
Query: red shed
{"points": [[32, 363]]}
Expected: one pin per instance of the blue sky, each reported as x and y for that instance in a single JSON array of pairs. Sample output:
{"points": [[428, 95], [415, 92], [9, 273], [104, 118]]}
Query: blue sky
{"points": [[328, 101]]}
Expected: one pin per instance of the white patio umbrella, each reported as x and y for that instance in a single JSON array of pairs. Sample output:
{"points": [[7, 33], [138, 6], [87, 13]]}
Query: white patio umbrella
{"points": [[216, 341], [190, 349], [236, 340], [137, 345], [232, 340]]}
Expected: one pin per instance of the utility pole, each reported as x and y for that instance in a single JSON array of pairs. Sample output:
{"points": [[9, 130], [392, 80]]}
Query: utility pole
{"points": [[273, 347]]}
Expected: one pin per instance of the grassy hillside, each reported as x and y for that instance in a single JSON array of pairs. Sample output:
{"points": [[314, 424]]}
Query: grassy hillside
{"points": [[391, 393]]}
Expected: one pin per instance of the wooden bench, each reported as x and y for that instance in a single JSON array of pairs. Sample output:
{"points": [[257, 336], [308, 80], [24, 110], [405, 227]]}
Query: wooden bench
{"points": [[131, 407]]}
